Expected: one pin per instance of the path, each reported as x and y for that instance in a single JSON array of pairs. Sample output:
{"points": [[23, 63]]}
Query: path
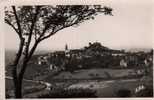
{"points": [[47, 89]]}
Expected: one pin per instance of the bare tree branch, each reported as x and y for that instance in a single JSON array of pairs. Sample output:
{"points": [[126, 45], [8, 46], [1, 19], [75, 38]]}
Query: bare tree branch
{"points": [[53, 32], [25, 62], [17, 21], [9, 23], [31, 30]]}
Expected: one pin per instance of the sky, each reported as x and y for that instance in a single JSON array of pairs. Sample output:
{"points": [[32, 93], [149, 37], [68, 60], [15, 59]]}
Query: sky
{"points": [[130, 27]]}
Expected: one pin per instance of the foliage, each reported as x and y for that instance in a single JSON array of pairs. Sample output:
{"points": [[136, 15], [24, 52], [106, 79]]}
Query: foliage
{"points": [[51, 19], [70, 93], [33, 89], [8, 94], [123, 93], [146, 92]]}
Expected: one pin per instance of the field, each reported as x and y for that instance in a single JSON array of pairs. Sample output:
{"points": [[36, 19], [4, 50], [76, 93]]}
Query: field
{"points": [[28, 87], [106, 82], [108, 88], [99, 73]]}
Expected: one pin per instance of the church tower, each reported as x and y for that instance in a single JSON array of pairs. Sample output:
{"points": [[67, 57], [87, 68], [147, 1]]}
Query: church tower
{"points": [[67, 51], [66, 47]]}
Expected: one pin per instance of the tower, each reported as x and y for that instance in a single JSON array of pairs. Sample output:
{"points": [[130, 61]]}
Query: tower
{"points": [[66, 47], [67, 54]]}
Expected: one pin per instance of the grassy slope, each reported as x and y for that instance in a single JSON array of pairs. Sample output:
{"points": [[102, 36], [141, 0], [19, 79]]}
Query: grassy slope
{"points": [[103, 90], [28, 87], [113, 88], [93, 73], [9, 84], [108, 91]]}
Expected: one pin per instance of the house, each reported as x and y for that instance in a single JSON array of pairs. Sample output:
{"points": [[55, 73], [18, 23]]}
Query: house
{"points": [[54, 67], [42, 60], [123, 63], [118, 54], [51, 66], [140, 71]]}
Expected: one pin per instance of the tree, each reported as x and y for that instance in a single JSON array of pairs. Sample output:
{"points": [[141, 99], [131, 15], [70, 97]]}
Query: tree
{"points": [[34, 24]]}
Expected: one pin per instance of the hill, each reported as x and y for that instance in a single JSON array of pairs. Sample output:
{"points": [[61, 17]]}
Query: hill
{"points": [[95, 73]]}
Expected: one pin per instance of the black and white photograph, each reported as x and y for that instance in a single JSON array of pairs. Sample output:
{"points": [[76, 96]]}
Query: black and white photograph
{"points": [[79, 50]]}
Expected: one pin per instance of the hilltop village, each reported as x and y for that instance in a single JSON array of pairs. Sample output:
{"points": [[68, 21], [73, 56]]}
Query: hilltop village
{"points": [[94, 56]]}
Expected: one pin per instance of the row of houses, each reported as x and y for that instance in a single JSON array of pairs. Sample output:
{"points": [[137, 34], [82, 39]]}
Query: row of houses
{"points": [[58, 59]]}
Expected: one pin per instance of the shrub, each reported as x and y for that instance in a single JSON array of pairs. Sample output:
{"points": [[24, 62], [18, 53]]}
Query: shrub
{"points": [[147, 92], [33, 89], [70, 93], [123, 93], [9, 94]]}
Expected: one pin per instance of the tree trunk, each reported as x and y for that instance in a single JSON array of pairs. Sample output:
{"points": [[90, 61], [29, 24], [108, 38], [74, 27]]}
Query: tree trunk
{"points": [[18, 78], [17, 85], [18, 88], [21, 73]]}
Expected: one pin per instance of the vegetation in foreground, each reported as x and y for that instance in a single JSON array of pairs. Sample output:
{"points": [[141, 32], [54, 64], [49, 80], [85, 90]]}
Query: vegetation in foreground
{"points": [[70, 93]]}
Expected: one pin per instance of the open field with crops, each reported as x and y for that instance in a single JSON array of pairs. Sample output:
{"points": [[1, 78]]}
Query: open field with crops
{"points": [[105, 82]]}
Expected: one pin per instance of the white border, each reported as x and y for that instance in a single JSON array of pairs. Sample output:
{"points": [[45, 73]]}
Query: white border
{"points": [[53, 2]]}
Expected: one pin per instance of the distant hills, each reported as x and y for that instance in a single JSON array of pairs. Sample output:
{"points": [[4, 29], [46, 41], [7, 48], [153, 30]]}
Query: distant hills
{"points": [[138, 49], [10, 55]]}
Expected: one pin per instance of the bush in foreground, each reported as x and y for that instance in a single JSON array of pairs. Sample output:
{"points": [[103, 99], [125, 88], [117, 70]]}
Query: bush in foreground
{"points": [[146, 92], [70, 93], [123, 93], [33, 89]]}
